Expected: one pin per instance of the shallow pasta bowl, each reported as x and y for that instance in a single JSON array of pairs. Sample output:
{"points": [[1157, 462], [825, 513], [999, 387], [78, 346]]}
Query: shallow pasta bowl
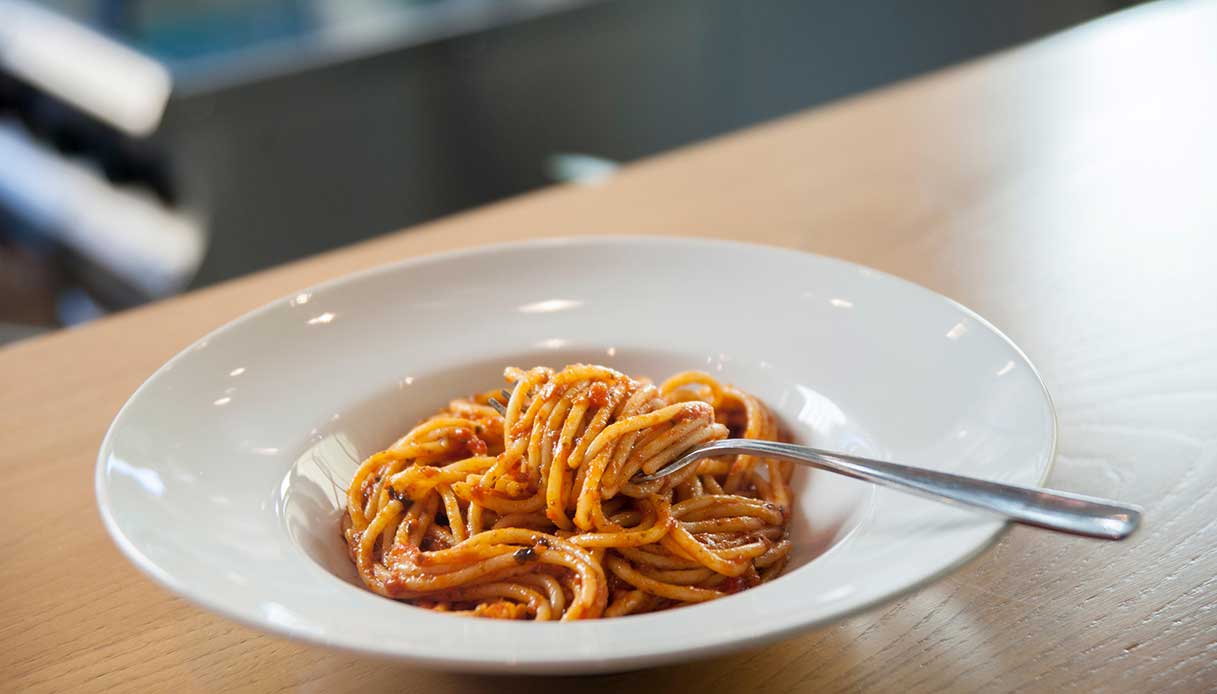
{"points": [[224, 476]]}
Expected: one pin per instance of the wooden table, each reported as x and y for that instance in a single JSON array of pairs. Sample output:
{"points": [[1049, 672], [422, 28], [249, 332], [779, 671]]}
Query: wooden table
{"points": [[1067, 190]]}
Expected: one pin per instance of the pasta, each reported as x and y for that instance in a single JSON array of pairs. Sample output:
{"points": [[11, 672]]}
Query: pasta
{"points": [[533, 513]]}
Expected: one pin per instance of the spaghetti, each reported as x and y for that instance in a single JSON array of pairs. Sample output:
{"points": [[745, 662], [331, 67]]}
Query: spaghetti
{"points": [[532, 514]]}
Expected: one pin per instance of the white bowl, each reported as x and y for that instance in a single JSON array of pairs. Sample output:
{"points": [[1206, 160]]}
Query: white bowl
{"points": [[224, 475]]}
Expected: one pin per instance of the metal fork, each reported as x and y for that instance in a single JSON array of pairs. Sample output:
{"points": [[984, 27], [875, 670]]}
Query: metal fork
{"points": [[500, 407], [1043, 508]]}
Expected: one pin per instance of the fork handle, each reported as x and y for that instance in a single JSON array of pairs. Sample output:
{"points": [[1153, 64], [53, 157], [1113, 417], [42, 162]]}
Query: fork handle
{"points": [[1044, 508]]}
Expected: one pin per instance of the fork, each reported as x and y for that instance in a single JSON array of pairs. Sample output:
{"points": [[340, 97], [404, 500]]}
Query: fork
{"points": [[1064, 512]]}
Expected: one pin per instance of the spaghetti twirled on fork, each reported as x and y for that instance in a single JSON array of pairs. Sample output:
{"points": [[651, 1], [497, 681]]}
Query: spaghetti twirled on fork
{"points": [[532, 513]]}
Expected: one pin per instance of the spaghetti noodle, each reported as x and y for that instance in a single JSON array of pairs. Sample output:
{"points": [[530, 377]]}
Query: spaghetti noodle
{"points": [[532, 514]]}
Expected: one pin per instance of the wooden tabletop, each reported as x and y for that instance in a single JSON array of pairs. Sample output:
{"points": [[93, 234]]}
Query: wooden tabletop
{"points": [[1067, 190]]}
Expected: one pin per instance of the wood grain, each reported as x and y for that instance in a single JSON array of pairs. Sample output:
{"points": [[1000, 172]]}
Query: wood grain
{"points": [[1067, 190]]}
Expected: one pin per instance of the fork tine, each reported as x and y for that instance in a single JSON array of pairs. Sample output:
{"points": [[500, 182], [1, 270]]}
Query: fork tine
{"points": [[690, 457], [500, 406]]}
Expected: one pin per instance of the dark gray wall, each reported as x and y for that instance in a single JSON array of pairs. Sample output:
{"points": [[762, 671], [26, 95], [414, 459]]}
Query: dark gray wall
{"points": [[295, 165]]}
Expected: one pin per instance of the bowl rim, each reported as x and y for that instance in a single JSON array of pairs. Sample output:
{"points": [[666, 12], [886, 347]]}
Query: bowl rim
{"points": [[554, 665]]}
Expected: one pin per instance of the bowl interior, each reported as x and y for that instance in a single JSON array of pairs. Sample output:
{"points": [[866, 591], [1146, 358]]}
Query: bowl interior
{"points": [[312, 495]]}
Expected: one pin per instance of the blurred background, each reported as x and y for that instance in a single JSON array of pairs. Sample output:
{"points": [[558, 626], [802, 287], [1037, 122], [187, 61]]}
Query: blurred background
{"points": [[151, 147]]}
